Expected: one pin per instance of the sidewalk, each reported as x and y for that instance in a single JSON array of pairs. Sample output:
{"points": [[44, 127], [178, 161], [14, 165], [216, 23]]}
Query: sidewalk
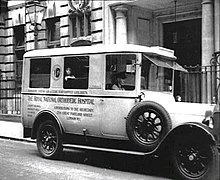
{"points": [[11, 126]]}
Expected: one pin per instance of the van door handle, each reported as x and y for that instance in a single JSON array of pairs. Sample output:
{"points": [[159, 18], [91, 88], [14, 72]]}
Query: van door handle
{"points": [[102, 100]]}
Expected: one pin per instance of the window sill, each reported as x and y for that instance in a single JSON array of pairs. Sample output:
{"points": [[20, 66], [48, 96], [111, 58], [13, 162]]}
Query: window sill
{"points": [[86, 39], [53, 44], [18, 48]]}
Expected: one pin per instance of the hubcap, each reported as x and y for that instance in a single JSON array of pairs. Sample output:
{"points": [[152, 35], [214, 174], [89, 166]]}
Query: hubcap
{"points": [[191, 158], [193, 161], [48, 140]]}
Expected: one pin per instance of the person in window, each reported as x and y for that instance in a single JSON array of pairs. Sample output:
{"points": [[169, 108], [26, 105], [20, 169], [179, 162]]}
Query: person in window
{"points": [[119, 81], [69, 74]]}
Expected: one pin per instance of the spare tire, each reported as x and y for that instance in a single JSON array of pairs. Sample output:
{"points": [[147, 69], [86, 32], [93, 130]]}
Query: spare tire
{"points": [[147, 124]]}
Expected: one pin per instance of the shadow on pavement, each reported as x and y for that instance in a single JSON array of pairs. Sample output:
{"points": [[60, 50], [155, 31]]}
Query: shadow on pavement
{"points": [[152, 166]]}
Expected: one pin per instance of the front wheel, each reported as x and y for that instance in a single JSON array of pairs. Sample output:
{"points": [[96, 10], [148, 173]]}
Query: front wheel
{"points": [[195, 161], [49, 140]]}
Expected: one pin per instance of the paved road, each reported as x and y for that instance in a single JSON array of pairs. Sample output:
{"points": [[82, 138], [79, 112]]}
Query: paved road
{"points": [[21, 161]]}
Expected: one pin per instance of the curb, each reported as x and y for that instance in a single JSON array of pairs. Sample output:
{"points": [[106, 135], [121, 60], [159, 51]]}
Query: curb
{"points": [[29, 140]]}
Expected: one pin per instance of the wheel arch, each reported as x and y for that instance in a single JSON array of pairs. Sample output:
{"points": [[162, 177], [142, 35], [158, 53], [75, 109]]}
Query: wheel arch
{"points": [[186, 130], [41, 117]]}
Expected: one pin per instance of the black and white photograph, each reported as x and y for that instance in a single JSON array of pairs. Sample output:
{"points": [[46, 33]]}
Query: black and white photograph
{"points": [[109, 89]]}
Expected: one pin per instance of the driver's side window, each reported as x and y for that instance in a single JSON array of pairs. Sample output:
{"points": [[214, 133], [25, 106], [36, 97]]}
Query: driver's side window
{"points": [[120, 71]]}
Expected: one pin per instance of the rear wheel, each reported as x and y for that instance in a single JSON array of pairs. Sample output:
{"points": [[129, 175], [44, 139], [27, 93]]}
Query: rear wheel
{"points": [[49, 140], [195, 161]]}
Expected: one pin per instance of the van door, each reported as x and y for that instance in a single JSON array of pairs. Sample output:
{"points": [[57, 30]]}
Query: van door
{"points": [[119, 93]]}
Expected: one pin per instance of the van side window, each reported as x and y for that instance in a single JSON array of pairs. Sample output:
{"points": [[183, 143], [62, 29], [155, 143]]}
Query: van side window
{"points": [[40, 73], [155, 77], [76, 72], [120, 72]]}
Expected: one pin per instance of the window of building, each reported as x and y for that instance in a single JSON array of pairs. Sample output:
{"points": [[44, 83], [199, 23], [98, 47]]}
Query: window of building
{"points": [[19, 41], [53, 28], [76, 72], [19, 36], [40, 73], [120, 71], [80, 25]]}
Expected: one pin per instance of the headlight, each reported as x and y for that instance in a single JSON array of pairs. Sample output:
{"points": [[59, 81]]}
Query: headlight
{"points": [[208, 119], [209, 122], [141, 96]]}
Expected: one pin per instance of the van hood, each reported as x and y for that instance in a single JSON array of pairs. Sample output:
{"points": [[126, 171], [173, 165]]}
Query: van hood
{"points": [[180, 112], [188, 112]]}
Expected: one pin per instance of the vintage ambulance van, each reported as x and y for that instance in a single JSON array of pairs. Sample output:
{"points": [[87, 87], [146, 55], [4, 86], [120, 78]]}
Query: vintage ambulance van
{"points": [[116, 98]]}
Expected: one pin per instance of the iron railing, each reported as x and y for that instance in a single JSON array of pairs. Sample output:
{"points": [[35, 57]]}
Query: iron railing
{"points": [[201, 84], [10, 88]]}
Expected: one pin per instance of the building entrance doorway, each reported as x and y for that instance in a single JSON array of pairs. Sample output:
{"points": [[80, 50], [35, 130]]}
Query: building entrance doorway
{"points": [[184, 37]]}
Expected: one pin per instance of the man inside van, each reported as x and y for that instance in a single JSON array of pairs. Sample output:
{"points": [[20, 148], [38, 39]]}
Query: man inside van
{"points": [[119, 81]]}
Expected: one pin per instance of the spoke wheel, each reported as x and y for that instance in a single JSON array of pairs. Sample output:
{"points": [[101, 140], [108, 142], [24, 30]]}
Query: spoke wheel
{"points": [[148, 127], [194, 161], [49, 140], [147, 124]]}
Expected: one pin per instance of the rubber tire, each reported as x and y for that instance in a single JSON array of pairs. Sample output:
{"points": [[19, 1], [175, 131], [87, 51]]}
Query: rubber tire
{"points": [[147, 106], [211, 171], [56, 145]]}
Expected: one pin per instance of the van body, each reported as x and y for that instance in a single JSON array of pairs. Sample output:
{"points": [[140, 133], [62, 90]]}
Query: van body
{"points": [[110, 97]]}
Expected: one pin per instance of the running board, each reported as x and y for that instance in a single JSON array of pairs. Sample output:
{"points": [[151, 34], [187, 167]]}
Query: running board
{"points": [[73, 146]]}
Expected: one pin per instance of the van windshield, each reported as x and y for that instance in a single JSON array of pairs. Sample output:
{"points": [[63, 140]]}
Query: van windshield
{"points": [[156, 74]]}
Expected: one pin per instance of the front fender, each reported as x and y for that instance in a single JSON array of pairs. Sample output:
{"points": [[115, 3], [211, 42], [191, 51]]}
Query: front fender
{"points": [[189, 130]]}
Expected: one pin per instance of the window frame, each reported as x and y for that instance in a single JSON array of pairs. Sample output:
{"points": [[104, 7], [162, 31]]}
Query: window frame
{"points": [[19, 34], [80, 29], [39, 62], [19, 50], [76, 77], [116, 70], [50, 24], [160, 74]]}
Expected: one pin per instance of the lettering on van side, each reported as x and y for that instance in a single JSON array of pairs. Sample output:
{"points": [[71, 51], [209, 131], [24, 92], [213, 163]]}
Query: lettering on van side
{"points": [[74, 113], [62, 100]]}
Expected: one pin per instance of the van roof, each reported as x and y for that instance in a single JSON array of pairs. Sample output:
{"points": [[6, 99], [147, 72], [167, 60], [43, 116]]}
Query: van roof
{"points": [[94, 49]]}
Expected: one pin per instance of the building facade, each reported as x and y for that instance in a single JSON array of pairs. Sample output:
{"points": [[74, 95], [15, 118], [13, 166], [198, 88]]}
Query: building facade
{"points": [[191, 28]]}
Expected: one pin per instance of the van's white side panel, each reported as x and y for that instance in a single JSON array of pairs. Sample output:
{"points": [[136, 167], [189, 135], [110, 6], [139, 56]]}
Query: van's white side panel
{"points": [[73, 112]]}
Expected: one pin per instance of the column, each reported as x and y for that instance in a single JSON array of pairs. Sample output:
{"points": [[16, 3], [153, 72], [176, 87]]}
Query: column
{"points": [[97, 22], [217, 40], [3, 11], [217, 24], [121, 24], [207, 47]]}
